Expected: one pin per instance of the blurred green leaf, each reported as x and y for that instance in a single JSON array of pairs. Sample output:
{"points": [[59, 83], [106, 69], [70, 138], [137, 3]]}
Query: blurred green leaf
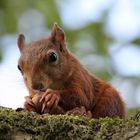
{"points": [[0, 55], [136, 41], [11, 10]]}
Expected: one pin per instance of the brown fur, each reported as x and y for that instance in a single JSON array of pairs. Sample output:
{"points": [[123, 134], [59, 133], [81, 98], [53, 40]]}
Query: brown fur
{"points": [[65, 86]]}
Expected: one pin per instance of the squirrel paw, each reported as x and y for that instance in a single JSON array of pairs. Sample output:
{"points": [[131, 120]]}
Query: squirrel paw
{"points": [[81, 111], [50, 100], [28, 104]]}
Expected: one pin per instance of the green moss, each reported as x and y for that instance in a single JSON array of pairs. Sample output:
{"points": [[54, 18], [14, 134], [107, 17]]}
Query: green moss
{"points": [[133, 111], [27, 126]]}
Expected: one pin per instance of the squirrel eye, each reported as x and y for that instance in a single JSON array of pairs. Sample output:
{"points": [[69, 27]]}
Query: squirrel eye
{"points": [[52, 57]]}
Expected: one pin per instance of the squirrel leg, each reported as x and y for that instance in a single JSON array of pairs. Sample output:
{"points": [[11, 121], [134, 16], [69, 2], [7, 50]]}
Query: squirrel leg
{"points": [[109, 105]]}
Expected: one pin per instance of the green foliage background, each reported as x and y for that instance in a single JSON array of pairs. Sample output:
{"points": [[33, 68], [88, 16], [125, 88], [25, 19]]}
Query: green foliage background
{"points": [[11, 10]]}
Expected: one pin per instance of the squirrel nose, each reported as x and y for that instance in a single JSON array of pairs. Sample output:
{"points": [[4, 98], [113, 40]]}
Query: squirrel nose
{"points": [[37, 86]]}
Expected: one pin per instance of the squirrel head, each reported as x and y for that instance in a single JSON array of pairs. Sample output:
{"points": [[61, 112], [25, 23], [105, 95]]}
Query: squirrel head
{"points": [[44, 63]]}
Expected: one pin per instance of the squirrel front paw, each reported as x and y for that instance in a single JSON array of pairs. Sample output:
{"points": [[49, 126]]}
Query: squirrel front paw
{"points": [[50, 100], [28, 104], [80, 111]]}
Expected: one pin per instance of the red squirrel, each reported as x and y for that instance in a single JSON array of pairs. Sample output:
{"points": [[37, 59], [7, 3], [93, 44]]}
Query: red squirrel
{"points": [[59, 84]]}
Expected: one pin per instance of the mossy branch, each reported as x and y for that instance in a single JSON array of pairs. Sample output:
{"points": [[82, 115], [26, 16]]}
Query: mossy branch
{"points": [[24, 125]]}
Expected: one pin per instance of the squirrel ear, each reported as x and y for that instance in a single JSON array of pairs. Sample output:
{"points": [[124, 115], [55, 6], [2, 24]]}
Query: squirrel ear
{"points": [[57, 33], [21, 42]]}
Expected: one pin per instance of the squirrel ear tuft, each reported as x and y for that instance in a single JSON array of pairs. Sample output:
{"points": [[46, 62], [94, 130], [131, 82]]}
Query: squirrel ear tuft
{"points": [[57, 33], [21, 42]]}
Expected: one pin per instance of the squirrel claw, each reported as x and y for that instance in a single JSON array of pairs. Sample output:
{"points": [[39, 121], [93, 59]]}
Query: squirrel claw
{"points": [[29, 100], [43, 108]]}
